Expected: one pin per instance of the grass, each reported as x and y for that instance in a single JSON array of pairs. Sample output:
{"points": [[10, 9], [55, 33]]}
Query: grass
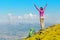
{"points": [[50, 33]]}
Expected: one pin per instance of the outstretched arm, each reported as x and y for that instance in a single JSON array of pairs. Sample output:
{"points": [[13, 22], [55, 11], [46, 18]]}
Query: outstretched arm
{"points": [[36, 7], [45, 7]]}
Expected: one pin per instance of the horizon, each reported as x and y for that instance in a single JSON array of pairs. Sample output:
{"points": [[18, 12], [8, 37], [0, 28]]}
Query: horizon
{"points": [[18, 16]]}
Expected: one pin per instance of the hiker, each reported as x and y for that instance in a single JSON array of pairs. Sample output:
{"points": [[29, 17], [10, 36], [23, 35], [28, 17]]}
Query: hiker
{"points": [[31, 33], [41, 13]]}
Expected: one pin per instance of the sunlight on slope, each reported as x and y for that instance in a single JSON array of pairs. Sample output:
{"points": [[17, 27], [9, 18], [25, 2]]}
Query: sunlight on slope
{"points": [[50, 33]]}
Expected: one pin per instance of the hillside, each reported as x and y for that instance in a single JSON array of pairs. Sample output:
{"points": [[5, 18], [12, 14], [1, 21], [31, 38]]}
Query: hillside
{"points": [[50, 33]]}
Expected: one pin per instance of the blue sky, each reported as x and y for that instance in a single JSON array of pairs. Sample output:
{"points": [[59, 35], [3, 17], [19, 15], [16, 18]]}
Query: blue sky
{"points": [[23, 11], [21, 7]]}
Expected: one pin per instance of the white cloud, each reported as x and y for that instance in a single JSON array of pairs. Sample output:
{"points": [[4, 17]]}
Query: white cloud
{"points": [[10, 18], [31, 15], [28, 18], [52, 19], [19, 17]]}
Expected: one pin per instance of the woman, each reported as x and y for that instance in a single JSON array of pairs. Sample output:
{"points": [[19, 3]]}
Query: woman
{"points": [[41, 13]]}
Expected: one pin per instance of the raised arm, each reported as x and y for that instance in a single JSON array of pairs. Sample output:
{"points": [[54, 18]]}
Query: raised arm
{"points": [[45, 7], [36, 7]]}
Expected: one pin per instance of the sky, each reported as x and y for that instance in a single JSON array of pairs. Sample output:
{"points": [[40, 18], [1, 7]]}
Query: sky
{"points": [[23, 11], [14, 10]]}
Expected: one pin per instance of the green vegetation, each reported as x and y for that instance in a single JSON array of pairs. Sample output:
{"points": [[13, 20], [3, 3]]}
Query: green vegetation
{"points": [[50, 33]]}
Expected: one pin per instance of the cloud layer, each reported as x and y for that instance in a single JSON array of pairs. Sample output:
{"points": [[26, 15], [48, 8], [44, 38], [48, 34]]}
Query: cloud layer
{"points": [[27, 18]]}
